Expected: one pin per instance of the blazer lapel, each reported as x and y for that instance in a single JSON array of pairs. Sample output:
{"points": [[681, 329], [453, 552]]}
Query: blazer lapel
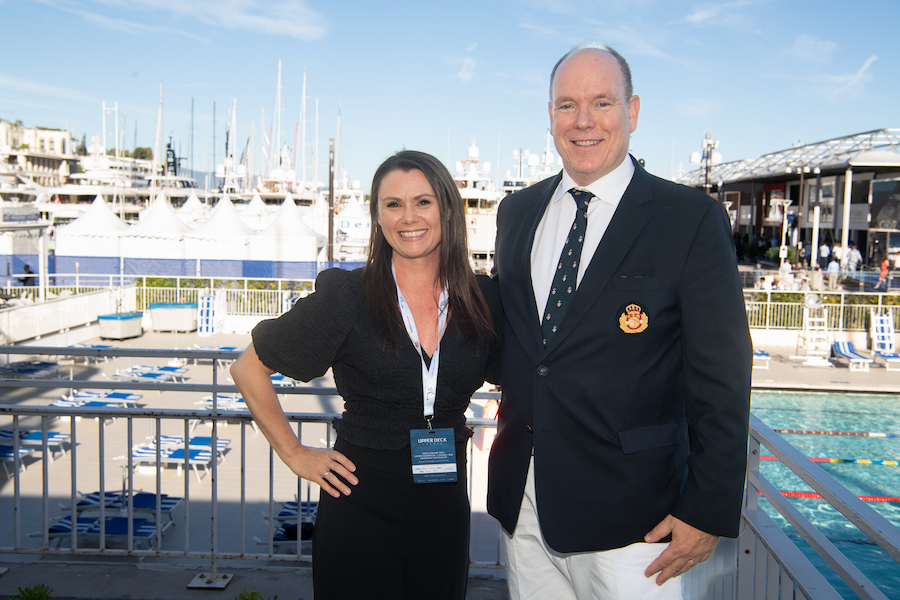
{"points": [[624, 229], [524, 311]]}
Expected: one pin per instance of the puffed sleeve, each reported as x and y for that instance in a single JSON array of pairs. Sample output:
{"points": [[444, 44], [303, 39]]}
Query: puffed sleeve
{"points": [[304, 342], [490, 289]]}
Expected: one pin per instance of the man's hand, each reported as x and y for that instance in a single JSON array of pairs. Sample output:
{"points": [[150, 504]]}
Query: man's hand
{"points": [[689, 547]]}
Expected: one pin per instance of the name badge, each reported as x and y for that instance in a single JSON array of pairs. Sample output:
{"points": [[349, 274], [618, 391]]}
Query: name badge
{"points": [[433, 455]]}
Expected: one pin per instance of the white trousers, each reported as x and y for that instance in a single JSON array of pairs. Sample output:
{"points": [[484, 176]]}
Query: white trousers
{"points": [[534, 571]]}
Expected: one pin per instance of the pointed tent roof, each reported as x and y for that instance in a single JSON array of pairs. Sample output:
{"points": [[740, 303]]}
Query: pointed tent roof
{"points": [[99, 220], [159, 221], [224, 222], [354, 209], [192, 210], [289, 222], [256, 214]]}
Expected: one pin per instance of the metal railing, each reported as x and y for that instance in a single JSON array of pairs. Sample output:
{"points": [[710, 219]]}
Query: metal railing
{"points": [[846, 311], [762, 564], [259, 482], [770, 565]]}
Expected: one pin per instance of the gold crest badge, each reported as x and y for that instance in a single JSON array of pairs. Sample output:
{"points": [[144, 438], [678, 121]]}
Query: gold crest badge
{"points": [[634, 319]]}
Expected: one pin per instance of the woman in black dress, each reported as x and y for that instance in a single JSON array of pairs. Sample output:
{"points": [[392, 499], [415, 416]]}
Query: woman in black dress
{"points": [[409, 338]]}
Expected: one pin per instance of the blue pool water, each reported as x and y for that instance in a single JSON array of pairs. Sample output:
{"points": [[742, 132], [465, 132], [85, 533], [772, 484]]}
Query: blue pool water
{"points": [[839, 412]]}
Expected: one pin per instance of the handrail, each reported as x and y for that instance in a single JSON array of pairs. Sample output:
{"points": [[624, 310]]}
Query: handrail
{"points": [[793, 566], [878, 529], [156, 418]]}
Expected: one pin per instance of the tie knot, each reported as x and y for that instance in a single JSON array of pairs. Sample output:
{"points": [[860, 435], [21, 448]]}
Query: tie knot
{"points": [[582, 198]]}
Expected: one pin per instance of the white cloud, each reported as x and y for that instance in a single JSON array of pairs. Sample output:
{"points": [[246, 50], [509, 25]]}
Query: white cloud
{"points": [[854, 79], [471, 47], [130, 27], [812, 49], [291, 18], [41, 89], [540, 32], [718, 14], [467, 71]]}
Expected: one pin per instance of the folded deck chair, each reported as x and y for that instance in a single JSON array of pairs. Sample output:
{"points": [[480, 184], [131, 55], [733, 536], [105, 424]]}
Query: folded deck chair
{"points": [[761, 359], [857, 361], [882, 332]]}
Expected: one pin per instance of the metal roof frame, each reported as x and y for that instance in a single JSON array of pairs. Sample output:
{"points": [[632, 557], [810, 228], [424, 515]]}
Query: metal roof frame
{"points": [[837, 153]]}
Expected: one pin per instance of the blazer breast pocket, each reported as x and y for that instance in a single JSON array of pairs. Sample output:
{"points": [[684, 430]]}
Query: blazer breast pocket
{"points": [[651, 436], [633, 283]]}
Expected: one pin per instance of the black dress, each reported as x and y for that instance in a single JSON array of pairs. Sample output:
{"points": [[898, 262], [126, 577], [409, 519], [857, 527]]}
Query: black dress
{"points": [[391, 538]]}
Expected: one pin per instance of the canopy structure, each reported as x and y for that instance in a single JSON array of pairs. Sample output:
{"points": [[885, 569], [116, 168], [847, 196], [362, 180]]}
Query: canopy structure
{"points": [[159, 234], [256, 214], [861, 149], [287, 239], [193, 212], [223, 236], [95, 233]]}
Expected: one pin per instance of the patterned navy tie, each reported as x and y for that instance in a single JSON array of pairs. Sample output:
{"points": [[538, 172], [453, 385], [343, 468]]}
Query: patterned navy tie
{"points": [[565, 280]]}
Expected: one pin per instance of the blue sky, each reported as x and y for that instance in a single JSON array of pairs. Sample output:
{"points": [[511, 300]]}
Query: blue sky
{"points": [[760, 75]]}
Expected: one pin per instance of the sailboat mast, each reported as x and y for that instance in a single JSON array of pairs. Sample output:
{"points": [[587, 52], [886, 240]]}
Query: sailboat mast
{"points": [[156, 145], [276, 148]]}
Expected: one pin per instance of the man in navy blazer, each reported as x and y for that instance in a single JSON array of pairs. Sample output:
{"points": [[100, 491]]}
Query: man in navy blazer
{"points": [[627, 427]]}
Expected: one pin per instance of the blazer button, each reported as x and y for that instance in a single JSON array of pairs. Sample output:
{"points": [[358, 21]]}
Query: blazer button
{"points": [[529, 428], [543, 371]]}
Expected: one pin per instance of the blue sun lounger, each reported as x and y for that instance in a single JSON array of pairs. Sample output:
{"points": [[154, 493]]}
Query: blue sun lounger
{"points": [[846, 351], [35, 439], [61, 529], [882, 332], [143, 503], [7, 455]]}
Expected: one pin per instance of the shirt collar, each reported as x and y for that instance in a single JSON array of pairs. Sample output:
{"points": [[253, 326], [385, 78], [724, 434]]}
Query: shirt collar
{"points": [[610, 188]]}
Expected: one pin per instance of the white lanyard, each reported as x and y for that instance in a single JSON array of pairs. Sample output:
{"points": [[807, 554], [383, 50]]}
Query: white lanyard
{"points": [[429, 372]]}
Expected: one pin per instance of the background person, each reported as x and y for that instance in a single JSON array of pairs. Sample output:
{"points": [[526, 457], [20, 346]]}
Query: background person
{"points": [[415, 324], [625, 420], [28, 280]]}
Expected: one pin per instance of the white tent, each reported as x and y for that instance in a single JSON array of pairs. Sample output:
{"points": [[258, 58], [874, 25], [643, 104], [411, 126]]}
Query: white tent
{"points": [[288, 238], [159, 234], [351, 228], [256, 214], [95, 233], [193, 212], [222, 237]]}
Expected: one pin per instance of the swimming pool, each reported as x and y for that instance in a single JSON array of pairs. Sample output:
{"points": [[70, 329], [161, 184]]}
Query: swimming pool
{"points": [[850, 413]]}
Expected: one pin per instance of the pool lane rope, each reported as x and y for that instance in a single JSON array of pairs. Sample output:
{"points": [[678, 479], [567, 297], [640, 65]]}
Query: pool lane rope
{"points": [[855, 461], [857, 433], [815, 496]]}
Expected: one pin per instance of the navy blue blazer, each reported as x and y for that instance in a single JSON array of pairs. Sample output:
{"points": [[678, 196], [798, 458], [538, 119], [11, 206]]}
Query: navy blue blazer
{"points": [[639, 405]]}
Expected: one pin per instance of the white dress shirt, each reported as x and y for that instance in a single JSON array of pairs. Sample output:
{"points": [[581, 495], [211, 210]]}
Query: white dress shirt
{"points": [[551, 233]]}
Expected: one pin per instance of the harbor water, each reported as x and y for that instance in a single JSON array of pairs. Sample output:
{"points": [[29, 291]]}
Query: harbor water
{"points": [[867, 467]]}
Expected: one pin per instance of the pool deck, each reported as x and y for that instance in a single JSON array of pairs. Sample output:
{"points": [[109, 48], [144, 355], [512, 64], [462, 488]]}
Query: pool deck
{"points": [[786, 373], [92, 578]]}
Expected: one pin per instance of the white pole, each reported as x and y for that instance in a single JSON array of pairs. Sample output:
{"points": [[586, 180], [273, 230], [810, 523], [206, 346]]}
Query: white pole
{"points": [[814, 255], [845, 227]]}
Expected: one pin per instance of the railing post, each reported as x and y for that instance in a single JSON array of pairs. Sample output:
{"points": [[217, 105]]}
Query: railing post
{"points": [[841, 324]]}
